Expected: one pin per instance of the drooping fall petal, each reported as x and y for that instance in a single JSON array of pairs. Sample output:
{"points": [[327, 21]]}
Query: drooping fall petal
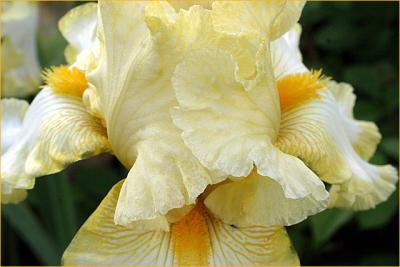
{"points": [[197, 239]]}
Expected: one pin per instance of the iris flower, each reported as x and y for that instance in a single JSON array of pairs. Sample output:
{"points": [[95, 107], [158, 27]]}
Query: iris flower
{"points": [[20, 68], [227, 135]]}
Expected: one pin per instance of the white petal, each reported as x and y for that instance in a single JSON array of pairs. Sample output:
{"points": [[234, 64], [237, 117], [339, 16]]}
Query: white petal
{"points": [[368, 186], [363, 135], [79, 25], [13, 112], [56, 131], [19, 24], [285, 54]]}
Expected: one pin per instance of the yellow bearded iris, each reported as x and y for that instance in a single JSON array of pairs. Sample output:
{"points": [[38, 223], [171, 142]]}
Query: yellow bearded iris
{"points": [[227, 135]]}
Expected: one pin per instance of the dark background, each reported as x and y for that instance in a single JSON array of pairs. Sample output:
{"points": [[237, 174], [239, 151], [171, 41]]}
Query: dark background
{"points": [[356, 42]]}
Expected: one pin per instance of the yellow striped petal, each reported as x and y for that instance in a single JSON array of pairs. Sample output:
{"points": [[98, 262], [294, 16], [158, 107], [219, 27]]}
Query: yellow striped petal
{"points": [[101, 242], [318, 132], [270, 19], [258, 200], [56, 131]]}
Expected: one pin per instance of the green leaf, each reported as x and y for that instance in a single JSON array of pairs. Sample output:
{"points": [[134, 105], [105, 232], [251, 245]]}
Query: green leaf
{"points": [[378, 217], [54, 200], [325, 224], [25, 223], [391, 146], [60, 208], [380, 259]]}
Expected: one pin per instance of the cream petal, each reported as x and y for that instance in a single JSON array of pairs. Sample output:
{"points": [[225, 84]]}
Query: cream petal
{"points": [[162, 10], [19, 24], [101, 242], [363, 135], [317, 133], [229, 129], [55, 132], [285, 54], [186, 4], [138, 67], [165, 176], [258, 200], [13, 112], [270, 19]]}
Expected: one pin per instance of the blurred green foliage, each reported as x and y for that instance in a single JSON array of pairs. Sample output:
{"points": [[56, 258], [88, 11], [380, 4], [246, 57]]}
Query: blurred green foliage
{"points": [[355, 42]]}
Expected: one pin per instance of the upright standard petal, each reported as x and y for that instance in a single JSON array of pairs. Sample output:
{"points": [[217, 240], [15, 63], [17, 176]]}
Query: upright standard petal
{"points": [[285, 54], [196, 239], [79, 27], [133, 82], [19, 24], [270, 19], [56, 131], [231, 126]]}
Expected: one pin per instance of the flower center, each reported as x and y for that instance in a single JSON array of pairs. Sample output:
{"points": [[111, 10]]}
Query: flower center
{"points": [[191, 238], [64, 80], [300, 87]]}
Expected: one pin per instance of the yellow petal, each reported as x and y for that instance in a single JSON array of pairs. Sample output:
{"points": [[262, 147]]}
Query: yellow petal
{"points": [[19, 24], [364, 135], [138, 67], [56, 131], [312, 132], [101, 242], [270, 19], [230, 126], [258, 200]]}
